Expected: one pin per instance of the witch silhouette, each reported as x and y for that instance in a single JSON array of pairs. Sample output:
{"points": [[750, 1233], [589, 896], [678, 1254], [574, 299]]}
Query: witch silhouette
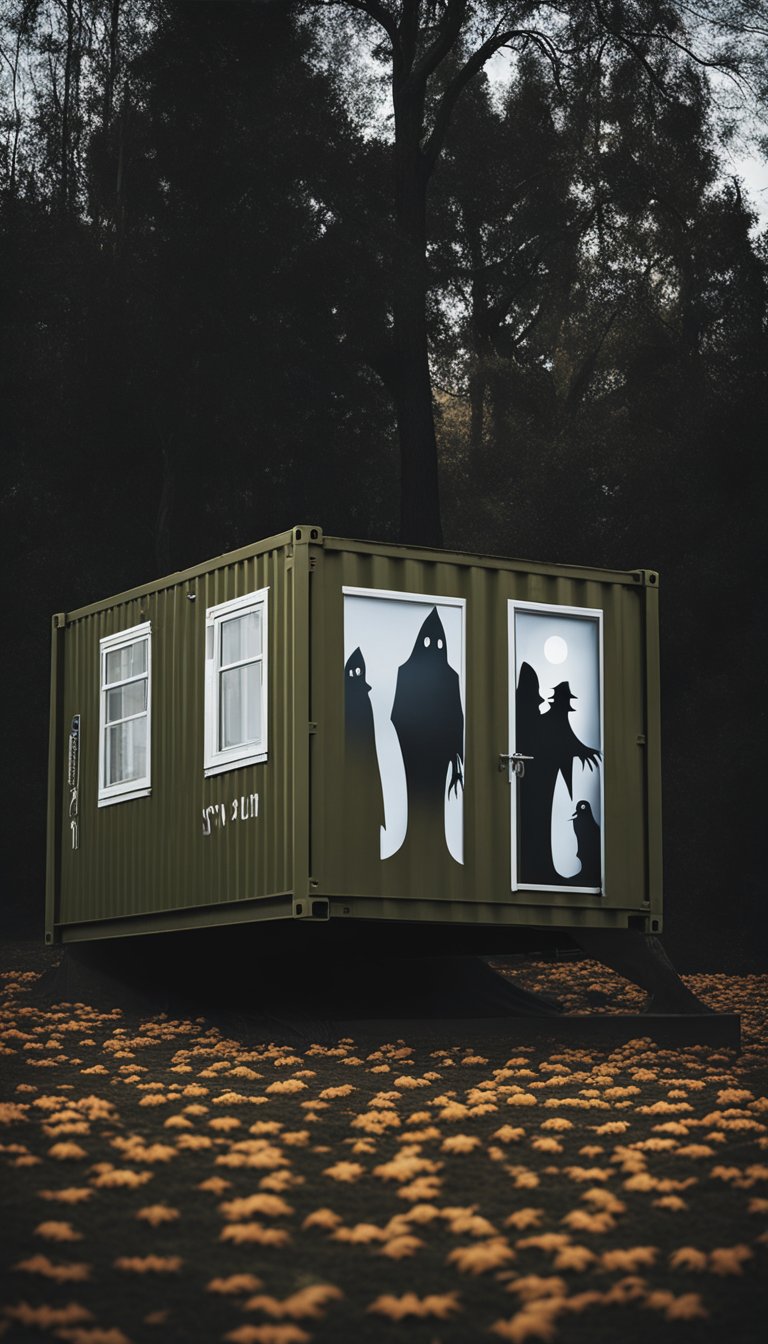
{"points": [[429, 722], [554, 746], [363, 794]]}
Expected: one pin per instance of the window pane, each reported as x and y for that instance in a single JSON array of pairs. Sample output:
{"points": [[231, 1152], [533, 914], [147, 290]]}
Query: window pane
{"points": [[129, 661], [126, 751], [241, 638], [127, 700], [240, 706]]}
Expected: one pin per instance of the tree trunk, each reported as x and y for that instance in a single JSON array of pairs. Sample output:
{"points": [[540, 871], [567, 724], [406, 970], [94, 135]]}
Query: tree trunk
{"points": [[412, 386], [65, 108], [480, 346], [109, 85], [420, 495]]}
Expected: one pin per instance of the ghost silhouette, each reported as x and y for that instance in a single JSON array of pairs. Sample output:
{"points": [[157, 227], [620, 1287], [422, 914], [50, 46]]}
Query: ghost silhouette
{"points": [[364, 803], [528, 718], [429, 722], [535, 790], [588, 845]]}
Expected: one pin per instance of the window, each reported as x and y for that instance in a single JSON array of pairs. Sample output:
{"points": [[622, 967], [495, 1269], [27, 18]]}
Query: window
{"points": [[236, 683], [124, 715]]}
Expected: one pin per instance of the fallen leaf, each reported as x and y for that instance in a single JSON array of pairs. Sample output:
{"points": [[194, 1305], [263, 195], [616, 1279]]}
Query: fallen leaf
{"points": [[149, 1264], [53, 1231], [62, 1272], [481, 1256], [254, 1234], [232, 1284], [272, 1206], [157, 1214], [440, 1305]]}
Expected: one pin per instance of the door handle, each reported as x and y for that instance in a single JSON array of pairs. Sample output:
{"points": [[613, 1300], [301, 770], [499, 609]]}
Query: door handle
{"points": [[515, 761]]}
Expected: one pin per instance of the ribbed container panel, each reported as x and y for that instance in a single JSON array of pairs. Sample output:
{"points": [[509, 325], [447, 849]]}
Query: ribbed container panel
{"points": [[417, 880], [150, 855]]}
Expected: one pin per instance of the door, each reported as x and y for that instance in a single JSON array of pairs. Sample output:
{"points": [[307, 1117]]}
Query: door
{"points": [[556, 759]]}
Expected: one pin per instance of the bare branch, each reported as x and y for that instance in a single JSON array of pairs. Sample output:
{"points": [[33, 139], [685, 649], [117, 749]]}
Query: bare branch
{"points": [[467, 73], [376, 11]]}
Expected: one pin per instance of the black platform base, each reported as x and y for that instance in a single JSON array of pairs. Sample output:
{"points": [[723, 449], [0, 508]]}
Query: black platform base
{"points": [[598, 1029]]}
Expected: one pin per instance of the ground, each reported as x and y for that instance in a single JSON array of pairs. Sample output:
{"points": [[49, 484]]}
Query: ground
{"points": [[167, 1179]]}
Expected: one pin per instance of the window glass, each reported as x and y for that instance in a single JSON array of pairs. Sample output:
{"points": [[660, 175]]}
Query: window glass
{"points": [[240, 638], [236, 683], [127, 700], [240, 706], [124, 714], [127, 751], [128, 661]]}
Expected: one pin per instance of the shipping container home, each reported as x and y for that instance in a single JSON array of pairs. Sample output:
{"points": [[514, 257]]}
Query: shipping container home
{"points": [[314, 728]]}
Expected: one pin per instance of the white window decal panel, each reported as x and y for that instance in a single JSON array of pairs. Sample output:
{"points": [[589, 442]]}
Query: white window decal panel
{"points": [[125, 693], [236, 683], [404, 697], [556, 723]]}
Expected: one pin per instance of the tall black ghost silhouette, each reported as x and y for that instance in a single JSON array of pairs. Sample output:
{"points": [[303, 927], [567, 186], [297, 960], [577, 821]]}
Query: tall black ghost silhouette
{"points": [[536, 789], [554, 746], [364, 801], [528, 718], [429, 722], [588, 846]]}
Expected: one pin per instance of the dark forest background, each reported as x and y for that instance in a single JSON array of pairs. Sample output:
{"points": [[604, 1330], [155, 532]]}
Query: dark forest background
{"points": [[199, 249]]}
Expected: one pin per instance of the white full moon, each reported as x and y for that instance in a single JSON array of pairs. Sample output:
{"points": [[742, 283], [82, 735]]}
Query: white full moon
{"points": [[555, 649]]}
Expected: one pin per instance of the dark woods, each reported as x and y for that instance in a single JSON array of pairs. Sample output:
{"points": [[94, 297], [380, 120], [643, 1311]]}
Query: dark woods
{"points": [[223, 263]]}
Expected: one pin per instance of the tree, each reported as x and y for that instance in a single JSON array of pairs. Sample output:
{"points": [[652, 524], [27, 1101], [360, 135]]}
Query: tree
{"points": [[434, 50]]}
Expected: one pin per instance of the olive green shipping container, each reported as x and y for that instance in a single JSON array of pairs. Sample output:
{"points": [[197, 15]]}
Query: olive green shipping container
{"points": [[314, 728]]}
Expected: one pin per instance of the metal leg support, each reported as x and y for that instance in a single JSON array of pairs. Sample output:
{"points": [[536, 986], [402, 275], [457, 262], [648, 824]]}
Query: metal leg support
{"points": [[641, 958]]}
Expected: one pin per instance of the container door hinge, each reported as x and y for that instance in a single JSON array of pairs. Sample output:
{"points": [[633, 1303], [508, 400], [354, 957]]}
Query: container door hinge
{"points": [[312, 728]]}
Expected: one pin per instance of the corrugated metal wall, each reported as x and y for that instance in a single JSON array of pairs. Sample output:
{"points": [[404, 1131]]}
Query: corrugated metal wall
{"points": [[150, 854], [145, 863], [414, 885]]}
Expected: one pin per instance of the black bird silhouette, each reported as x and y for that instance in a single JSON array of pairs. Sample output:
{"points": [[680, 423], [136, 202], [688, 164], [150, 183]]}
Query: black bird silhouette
{"points": [[363, 780], [429, 722], [588, 845]]}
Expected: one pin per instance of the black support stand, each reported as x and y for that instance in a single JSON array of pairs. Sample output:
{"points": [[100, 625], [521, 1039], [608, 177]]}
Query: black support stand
{"points": [[641, 958]]}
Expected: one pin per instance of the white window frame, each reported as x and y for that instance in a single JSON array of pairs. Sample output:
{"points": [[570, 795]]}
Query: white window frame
{"points": [[594, 614], [216, 760], [130, 788]]}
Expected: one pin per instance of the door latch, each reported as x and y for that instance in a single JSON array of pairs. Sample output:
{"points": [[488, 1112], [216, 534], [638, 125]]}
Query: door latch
{"points": [[515, 762]]}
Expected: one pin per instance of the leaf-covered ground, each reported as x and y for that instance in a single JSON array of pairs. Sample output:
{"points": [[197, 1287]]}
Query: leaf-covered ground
{"points": [[163, 1180]]}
